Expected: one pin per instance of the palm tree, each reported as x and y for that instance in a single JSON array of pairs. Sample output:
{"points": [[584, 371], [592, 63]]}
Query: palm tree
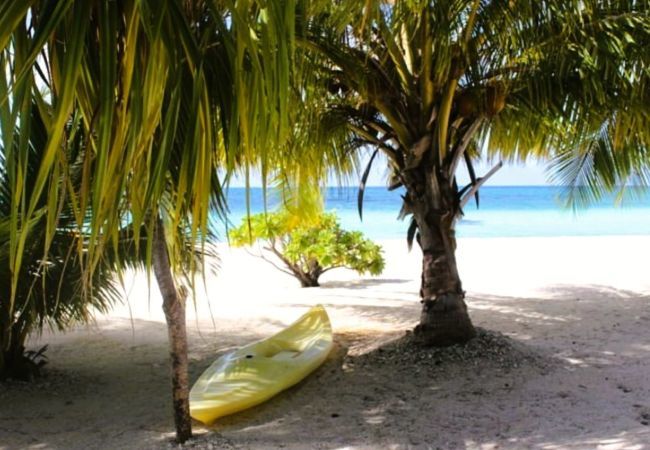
{"points": [[164, 92], [51, 292], [433, 84]]}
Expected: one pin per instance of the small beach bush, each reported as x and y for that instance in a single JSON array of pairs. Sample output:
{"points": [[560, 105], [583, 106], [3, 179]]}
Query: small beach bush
{"points": [[307, 250]]}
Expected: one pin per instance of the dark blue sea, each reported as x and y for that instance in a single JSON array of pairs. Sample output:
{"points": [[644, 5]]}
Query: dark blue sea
{"points": [[509, 211]]}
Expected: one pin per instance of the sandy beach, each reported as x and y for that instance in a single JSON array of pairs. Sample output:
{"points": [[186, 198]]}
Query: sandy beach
{"points": [[564, 362]]}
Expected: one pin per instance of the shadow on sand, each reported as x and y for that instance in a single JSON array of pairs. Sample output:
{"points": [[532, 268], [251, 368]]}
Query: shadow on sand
{"points": [[365, 283], [596, 334]]}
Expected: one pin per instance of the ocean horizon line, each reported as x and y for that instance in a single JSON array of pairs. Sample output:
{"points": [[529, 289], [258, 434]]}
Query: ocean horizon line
{"points": [[505, 211], [488, 186]]}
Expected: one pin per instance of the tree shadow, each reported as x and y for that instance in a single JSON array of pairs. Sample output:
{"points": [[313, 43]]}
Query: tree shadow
{"points": [[112, 391], [365, 283], [595, 394], [115, 392], [394, 315]]}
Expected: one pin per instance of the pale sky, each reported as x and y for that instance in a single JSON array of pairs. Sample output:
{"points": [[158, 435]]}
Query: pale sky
{"points": [[530, 174]]}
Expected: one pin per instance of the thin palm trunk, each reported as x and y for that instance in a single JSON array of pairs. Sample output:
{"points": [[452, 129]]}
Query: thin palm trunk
{"points": [[174, 308]]}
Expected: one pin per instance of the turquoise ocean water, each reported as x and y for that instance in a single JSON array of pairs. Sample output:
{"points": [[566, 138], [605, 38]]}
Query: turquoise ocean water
{"points": [[509, 211]]}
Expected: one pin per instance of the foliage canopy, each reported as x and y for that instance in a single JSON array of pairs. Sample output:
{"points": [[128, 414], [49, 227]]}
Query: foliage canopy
{"points": [[159, 94], [309, 249], [436, 82]]}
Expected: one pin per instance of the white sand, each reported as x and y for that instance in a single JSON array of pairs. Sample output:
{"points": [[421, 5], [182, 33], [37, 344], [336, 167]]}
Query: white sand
{"points": [[582, 303]]}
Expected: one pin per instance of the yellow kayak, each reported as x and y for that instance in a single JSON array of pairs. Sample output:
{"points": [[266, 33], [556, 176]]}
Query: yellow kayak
{"points": [[256, 372]]}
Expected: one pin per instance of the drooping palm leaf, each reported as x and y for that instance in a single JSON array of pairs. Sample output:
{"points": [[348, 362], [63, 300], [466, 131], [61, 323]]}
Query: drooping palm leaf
{"points": [[519, 78], [364, 179]]}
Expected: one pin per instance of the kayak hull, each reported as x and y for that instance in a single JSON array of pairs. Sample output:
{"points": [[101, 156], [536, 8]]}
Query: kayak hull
{"points": [[252, 374]]}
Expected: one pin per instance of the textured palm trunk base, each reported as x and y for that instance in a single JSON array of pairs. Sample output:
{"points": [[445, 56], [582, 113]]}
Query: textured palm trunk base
{"points": [[444, 319]]}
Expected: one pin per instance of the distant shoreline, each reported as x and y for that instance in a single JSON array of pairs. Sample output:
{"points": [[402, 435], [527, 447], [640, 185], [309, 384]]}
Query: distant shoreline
{"points": [[504, 211]]}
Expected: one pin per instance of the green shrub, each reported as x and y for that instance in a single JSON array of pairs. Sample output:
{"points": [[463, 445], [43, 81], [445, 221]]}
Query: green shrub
{"points": [[307, 250]]}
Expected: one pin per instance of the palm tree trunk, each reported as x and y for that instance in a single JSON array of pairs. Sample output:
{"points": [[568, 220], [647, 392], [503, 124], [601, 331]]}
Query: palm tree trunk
{"points": [[13, 361], [4, 351], [444, 319], [5, 338], [174, 308]]}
